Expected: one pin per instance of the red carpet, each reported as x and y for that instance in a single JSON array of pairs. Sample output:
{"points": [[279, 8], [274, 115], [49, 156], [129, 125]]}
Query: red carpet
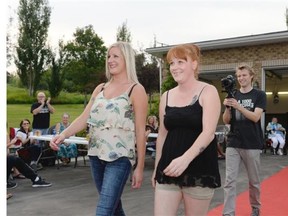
{"points": [[274, 198]]}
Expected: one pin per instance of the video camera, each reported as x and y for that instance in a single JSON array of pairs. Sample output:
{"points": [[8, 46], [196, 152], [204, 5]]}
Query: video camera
{"points": [[229, 84]]}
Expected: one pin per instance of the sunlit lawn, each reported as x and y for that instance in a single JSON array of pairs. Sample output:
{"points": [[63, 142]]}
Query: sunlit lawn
{"points": [[17, 112]]}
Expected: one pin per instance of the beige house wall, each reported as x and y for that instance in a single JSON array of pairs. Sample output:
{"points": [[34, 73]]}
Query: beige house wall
{"points": [[256, 56], [260, 57]]}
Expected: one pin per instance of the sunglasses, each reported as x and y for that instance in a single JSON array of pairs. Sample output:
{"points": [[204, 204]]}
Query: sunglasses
{"points": [[26, 123]]}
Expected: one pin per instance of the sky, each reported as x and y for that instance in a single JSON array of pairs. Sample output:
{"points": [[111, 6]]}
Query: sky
{"points": [[168, 22]]}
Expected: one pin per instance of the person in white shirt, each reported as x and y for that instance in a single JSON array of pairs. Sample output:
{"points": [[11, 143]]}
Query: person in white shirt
{"points": [[277, 135], [28, 152]]}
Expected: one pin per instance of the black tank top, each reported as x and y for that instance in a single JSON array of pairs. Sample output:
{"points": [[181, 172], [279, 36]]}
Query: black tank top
{"points": [[184, 124]]}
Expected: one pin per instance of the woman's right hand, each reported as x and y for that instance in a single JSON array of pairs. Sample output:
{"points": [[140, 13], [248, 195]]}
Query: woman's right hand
{"points": [[54, 143]]}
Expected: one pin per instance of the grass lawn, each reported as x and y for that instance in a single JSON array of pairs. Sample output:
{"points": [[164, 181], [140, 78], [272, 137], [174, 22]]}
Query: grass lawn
{"points": [[17, 112]]}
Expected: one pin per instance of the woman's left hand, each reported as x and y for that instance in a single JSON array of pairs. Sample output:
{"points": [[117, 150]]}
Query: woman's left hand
{"points": [[176, 167]]}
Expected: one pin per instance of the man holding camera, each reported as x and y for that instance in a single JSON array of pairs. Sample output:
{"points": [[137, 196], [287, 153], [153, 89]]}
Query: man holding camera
{"points": [[41, 113], [245, 140]]}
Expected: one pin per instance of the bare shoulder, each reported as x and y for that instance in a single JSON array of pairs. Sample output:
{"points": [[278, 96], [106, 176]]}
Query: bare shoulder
{"points": [[209, 94], [209, 89], [97, 89], [138, 89]]}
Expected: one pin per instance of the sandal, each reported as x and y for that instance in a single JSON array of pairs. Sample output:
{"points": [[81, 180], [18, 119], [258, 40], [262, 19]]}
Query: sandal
{"points": [[19, 176], [9, 195], [65, 161]]}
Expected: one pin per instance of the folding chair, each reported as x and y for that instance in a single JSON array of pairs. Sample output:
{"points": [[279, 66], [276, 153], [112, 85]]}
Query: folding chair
{"points": [[17, 145], [48, 156]]}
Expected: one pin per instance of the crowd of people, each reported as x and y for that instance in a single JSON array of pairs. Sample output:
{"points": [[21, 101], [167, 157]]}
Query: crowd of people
{"points": [[188, 116], [25, 161]]}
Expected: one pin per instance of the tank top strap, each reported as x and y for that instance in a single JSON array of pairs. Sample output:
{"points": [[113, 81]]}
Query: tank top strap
{"points": [[102, 88], [201, 91], [167, 97], [131, 88]]}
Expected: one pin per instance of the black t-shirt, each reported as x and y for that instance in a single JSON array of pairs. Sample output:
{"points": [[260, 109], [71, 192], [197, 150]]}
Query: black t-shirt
{"points": [[42, 119], [245, 133]]}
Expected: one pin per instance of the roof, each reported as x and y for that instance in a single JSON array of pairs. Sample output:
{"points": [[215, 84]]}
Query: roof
{"points": [[251, 40]]}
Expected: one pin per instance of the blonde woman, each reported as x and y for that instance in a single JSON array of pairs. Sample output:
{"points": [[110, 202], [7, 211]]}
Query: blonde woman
{"points": [[116, 115]]}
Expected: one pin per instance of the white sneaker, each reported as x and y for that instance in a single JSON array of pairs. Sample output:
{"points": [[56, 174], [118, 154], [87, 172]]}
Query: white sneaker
{"points": [[280, 152]]}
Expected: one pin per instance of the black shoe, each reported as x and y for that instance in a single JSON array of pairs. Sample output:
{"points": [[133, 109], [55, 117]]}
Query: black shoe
{"points": [[41, 183], [11, 185], [255, 211]]}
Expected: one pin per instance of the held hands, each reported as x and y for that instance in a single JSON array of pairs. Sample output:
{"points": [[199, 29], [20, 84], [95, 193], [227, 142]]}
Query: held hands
{"points": [[54, 143], [176, 167]]}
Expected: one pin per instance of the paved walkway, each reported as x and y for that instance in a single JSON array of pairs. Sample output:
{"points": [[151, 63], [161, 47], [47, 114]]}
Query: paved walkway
{"points": [[73, 192]]}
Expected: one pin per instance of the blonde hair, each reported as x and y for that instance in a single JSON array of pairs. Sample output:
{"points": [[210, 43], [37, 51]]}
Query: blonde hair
{"points": [[185, 51], [129, 56], [244, 66], [152, 117], [65, 114]]}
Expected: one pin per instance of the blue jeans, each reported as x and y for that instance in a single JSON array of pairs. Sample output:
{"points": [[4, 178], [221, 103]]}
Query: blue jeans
{"points": [[110, 179]]}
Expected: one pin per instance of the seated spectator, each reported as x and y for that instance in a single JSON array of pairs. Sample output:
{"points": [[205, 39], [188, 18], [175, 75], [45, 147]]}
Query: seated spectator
{"points": [[151, 127], [66, 150], [27, 145], [16, 174], [221, 153], [27, 171], [277, 135], [221, 135]]}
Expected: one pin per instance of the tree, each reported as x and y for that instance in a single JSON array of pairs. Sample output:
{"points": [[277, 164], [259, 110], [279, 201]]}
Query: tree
{"points": [[168, 83], [31, 52], [9, 46], [85, 59], [123, 33], [56, 80], [148, 73], [9, 50], [286, 15]]}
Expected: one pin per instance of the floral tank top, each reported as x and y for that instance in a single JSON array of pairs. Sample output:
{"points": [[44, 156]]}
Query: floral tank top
{"points": [[111, 127]]}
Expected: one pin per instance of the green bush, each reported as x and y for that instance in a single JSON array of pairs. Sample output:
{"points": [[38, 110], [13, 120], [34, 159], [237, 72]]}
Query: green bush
{"points": [[16, 95], [19, 103]]}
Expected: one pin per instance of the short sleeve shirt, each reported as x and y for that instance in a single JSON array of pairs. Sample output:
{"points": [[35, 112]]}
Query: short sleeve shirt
{"points": [[42, 119], [245, 133]]}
